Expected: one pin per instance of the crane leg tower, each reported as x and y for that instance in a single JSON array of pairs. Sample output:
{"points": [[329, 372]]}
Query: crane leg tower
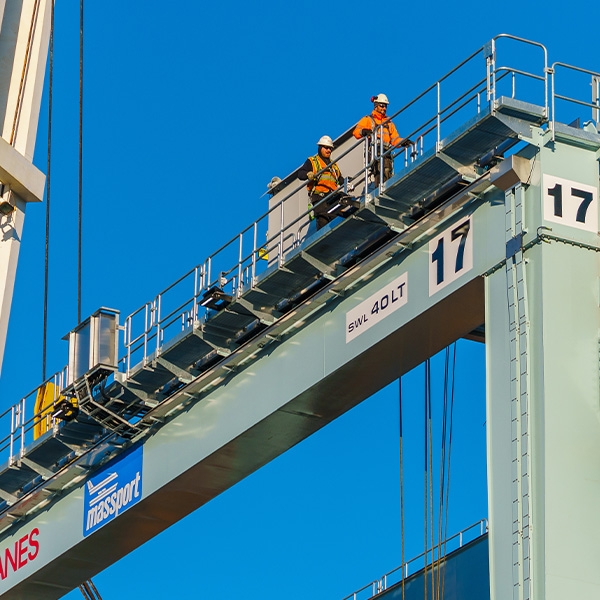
{"points": [[543, 406], [24, 34]]}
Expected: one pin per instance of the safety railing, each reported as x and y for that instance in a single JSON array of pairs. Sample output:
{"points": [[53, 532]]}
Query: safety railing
{"points": [[418, 563], [237, 265], [591, 78], [470, 88], [24, 429]]}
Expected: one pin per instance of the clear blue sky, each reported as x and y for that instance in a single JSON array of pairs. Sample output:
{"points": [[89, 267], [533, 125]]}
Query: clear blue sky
{"points": [[190, 109]]}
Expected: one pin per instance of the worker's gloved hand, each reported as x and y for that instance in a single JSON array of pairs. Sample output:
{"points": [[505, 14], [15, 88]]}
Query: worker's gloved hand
{"points": [[405, 143], [310, 175], [365, 132]]}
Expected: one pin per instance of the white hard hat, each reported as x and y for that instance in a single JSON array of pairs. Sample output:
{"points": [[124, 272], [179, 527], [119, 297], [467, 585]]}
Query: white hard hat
{"points": [[325, 141], [380, 99], [273, 183]]}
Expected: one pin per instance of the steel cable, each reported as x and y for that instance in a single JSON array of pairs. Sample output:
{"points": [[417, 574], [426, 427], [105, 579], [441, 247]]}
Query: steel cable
{"points": [[80, 196], [401, 485], [48, 189], [451, 412]]}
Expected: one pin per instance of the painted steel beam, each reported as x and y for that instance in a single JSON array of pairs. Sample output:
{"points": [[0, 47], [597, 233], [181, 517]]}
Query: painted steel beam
{"points": [[367, 333]]}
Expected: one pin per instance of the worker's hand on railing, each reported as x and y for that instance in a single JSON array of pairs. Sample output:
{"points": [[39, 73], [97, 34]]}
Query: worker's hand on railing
{"points": [[365, 132], [310, 175]]}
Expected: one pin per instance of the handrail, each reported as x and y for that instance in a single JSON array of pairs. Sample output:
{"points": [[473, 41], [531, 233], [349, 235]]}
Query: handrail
{"points": [[594, 105], [384, 582]]}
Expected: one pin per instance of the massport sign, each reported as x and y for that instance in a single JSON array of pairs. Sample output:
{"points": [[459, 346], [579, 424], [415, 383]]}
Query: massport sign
{"points": [[112, 491]]}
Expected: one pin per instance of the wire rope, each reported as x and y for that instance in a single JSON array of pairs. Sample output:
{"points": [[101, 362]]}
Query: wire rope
{"points": [[48, 190], [426, 479], [430, 456], [80, 195], [451, 413], [401, 487], [442, 470]]}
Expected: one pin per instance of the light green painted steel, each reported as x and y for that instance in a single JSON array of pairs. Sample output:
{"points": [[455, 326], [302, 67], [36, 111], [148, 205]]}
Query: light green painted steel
{"points": [[542, 325], [279, 399]]}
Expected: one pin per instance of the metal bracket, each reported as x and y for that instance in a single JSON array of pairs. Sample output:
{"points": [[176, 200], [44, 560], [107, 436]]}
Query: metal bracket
{"points": [[324, 269], [45, 473], [181, 374]]}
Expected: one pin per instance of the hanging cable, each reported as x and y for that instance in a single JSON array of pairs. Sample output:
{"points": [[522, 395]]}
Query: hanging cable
{"points": [[48, 188], [442, 473], [89, 591], [445, 461], [430, 452], [80, 205], [401, 484], [451, 418], [426, 478]]}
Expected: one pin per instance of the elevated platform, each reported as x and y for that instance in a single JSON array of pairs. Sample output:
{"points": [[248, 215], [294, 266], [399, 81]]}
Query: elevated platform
{"points": [[129, 406], [258, 356]]}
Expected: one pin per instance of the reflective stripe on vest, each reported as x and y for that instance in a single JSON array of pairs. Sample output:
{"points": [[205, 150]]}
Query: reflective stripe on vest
{"points": [[327, 181], [387, 134]]}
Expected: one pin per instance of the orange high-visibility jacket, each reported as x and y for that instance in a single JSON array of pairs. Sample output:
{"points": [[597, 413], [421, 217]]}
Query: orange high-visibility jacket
{"points": [[390, 133], [328, 180]]}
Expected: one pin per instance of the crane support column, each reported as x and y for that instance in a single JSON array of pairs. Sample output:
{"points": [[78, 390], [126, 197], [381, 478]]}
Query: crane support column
{"points": [[542, 327], [24, 34]]}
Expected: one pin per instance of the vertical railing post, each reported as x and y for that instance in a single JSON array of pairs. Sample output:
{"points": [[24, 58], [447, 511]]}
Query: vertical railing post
{"points": [[366, 157], [439, 117], [281, 222], [254, 254], [381, 157], [157, 306], [197, 278], [12, 434], [596, 98], [22, 425], [546, 73], [147, 320], [128, 344], [238, 291], [552, 101]]}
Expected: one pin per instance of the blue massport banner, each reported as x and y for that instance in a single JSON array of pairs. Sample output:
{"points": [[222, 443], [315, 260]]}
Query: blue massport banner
{"points": [[112, 491]]}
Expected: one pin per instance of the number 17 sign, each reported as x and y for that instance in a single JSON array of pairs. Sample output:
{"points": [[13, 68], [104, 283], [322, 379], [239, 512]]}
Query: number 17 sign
{"points": [[450, 255], [570, 203]]}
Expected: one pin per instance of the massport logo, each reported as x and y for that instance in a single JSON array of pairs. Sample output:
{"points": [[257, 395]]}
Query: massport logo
{"points": [[112, 491]]}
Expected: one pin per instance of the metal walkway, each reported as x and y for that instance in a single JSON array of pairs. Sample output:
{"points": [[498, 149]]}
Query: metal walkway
{"points": [[234, 308]]}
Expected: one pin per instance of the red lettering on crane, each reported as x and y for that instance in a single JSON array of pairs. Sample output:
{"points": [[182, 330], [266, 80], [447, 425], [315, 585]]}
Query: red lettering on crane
{"points": [[24, 550]]}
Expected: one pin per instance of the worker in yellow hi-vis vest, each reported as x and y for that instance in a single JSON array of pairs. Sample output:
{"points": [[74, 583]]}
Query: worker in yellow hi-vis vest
{"points": [[324, 177]]}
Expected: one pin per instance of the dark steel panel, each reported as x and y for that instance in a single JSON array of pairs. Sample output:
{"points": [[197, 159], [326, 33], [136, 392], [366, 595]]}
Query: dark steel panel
{"points": [[465, 575]]}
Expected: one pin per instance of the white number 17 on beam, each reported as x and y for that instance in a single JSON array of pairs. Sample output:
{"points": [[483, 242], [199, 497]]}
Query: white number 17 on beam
{"points": [[450, 255]]}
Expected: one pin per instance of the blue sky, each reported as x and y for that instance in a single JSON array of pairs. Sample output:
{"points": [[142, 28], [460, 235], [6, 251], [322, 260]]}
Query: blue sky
{"points": [[190, 109]]}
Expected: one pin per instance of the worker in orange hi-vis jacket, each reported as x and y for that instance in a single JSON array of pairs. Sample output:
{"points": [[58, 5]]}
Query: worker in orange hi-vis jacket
{"points": [[378, 121]]}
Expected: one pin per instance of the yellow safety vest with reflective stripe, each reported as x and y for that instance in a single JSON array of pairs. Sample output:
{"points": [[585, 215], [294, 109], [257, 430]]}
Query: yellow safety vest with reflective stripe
{"points": [[327, 180]]}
